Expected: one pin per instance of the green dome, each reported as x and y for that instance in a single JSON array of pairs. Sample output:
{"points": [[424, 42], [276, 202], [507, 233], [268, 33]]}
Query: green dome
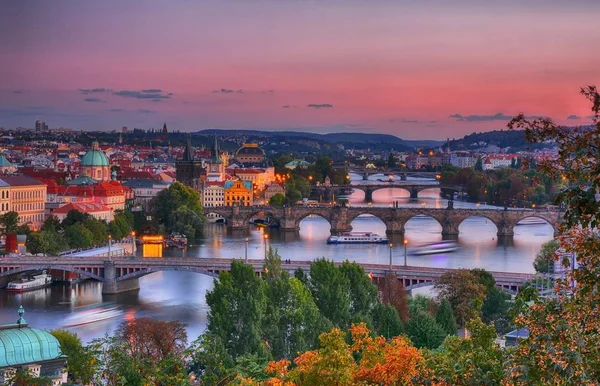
{"points": [[21, 345], [3, 161], [94, 157]]}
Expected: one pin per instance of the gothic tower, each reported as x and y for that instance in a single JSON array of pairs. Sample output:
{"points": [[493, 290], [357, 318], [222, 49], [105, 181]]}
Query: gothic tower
{"points": [[189, 171]]}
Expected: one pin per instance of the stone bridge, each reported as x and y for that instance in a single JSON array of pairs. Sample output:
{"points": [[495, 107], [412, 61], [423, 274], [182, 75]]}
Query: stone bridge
{"points": [[413, 188], [365, 172], [341, 217], [122, 274]]}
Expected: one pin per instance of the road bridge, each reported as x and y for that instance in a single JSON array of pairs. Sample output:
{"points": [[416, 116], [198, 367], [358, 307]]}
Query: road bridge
{"points": [[367, 172], [341, 217], [122, 274]]}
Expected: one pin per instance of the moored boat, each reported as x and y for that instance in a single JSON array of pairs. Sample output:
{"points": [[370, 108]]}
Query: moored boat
{"points": [[29, 283], [357, 238], [439, 247]]}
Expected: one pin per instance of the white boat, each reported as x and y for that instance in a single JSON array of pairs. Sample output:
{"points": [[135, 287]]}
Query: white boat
{"points": [[30, 283], [440, 247], [91, 316], [357, 238]]}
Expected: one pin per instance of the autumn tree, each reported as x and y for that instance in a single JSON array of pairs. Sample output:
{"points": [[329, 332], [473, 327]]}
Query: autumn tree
{"points": [[544, 260], [393, 293], [563, 346], [464, 292]]}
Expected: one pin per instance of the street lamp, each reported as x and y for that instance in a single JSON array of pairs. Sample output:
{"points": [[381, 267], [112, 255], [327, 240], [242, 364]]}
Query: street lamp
{"points": [[266, 238], [109, 243], [391, 246], [405, 243], [133, 243], [246, 253]]}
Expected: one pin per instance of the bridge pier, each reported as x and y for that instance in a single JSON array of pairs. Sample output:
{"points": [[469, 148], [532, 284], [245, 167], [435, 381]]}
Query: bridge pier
{"points": [[414, 193], [394, 228], [110, 285], [505, 229], [368, 195], [365, 176]]}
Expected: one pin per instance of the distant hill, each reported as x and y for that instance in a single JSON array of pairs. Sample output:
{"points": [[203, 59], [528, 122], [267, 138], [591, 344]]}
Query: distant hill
{"points": [[347, 140], [513, 139]]}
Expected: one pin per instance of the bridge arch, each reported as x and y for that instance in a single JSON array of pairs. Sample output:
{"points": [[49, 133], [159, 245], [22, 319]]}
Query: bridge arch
{"points": [[553, 222], [490, 222], [211, 215], [418, 215], [266, 211], [316, 213], [78, 271]]}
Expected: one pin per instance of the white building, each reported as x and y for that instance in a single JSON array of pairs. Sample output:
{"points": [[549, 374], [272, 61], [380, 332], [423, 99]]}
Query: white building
{"points": [[213, 194]]}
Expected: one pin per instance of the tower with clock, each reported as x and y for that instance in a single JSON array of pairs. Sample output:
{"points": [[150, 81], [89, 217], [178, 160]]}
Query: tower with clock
{"points": [[216, 167]]}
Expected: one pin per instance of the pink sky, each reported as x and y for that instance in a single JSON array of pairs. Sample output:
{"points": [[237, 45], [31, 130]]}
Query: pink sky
{"points": [[398, 67]]}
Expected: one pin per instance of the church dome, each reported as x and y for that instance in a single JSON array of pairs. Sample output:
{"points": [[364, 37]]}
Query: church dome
{"points": [[20, 344], [250, 149], [94, 157]]}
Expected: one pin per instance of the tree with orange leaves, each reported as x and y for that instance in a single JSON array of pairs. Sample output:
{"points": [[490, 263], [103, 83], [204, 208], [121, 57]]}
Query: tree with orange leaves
{"points": [[367, 360], [563, 347]]}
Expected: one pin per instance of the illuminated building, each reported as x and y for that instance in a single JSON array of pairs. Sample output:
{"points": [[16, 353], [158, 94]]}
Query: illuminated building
{"points": [[238, 192]]}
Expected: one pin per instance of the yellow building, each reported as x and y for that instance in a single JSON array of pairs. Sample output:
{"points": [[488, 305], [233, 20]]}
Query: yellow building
{"points": [[28, 199], [238, 192]]}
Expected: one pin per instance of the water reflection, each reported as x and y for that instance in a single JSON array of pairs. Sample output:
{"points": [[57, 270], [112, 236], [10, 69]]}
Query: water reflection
{"points": [[181, 295]]}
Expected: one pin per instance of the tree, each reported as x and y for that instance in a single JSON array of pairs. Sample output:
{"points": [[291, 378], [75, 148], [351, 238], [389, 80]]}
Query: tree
{"points": [[173, 199], [78, 236], [237, 307], [363, 293], [391, 163], [186, 221], [330, 290], [367, 360], [462, 362], [277, 200], [46, 242], [9, 222], [445, 318], [98, 229], [82, 364], [393, 293], [544, 260], [73, 217], [51, 223], [495, 309], [386, 321], [563, 346], [272, 265], [462, 289], [479, 165], [24, 377], [210, 361], [424, 332]]}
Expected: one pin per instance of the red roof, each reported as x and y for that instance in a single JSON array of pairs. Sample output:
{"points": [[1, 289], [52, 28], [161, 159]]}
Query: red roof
{"points": [[83, 207]]}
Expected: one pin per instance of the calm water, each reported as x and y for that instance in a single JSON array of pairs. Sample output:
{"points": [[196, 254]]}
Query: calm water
{"points": [[180, 295]]}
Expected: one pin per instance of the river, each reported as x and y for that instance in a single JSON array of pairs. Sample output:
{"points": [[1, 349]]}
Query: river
{"points": [[181, 295]]}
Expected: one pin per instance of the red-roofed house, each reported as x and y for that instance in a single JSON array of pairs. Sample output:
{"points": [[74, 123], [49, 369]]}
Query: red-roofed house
{"points": [[94, 209]]}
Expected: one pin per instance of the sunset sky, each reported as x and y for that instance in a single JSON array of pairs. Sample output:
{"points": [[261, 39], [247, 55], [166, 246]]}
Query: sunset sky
{"points": [[426, 69]]}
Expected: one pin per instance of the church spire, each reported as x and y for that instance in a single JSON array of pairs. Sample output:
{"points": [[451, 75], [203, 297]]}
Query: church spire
{"points": [[188, 153], [216, 157]]}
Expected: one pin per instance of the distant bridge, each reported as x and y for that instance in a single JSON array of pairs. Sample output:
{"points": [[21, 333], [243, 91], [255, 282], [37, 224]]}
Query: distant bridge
{"points": [[366, 172], [122, 274], [412, 187], [341, 217]]}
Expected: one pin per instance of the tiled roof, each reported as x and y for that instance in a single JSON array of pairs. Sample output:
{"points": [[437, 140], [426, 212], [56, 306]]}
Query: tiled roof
{"points": [[21, 181]]}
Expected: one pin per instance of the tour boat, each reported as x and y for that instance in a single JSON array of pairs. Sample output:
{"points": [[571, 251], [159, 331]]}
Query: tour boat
{"points": [[91, 316], [440, 247], [30, 283], [532, 221], [357, 238]]}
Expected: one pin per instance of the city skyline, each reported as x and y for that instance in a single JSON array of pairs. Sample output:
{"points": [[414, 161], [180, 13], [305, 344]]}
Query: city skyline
{"points": [[426, 71]]}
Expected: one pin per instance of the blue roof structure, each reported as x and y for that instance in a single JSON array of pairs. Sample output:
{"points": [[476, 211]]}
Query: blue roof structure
{"points": [[247, 184], [83, 180], [20, 344]]}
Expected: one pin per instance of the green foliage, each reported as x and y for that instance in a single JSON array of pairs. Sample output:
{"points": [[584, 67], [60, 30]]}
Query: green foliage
{"points": [[420, 303], [495, 309], [474, 361], [46, 242], [73, 217], [424, 332], [24, 377], [237, 308], [478, 165], [52, 224], [178, 209], [296, 188], [121, 226], [78, 236], [544, 260], [9, 222], [277, 200], [98, 229], [386, 321], [330, 290], [209, 360], [272, 263], [82, 364], [445, 318], [363, 293]]}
